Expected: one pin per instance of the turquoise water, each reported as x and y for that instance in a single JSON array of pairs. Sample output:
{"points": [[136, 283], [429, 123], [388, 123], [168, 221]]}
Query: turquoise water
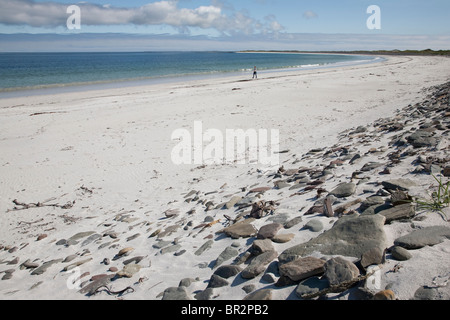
{"points": [[24, 71]]}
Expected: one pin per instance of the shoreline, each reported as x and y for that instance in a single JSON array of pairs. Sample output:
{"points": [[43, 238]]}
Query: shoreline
{"points": [[88, 185], [169, 79]]}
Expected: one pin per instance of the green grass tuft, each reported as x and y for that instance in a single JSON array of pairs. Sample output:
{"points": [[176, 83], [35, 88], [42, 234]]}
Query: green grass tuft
{"points": [[439, 199]]}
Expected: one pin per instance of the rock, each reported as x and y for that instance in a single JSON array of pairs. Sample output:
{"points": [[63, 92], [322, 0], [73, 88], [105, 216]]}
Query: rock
{"points": [[134, 260], [370, 166], [176, 293], [338, 270], [371, 201], [227, 271], [372, 256], [205, 294], [207, 245], [92, 287], [428, 236], [8, 274], [311, 285], [246, 202], [258, 264], [134, 236], [90, 239], [171, 213], [344, 190], [400, 184], [225, 255], [12, 250], [167, 231], [403, 211], [315, 225], [399, 197], [232, 202], [376, 209], [170, 249], [110, 233], [290, 172], [155, 233], [161, 244], [61, 242], [41, 236], [100, 276], [74, 239], [292, 222], [129, 270], [422, 138], [400, 254], [427, 293], [249, 288], [70, 258], [259, 189], [283, 238], [217, 282], [446, 172], [242, 229], [260, 295], [76, 264], [269, 230], [279, 217], [269, 277], [351, 235], [45, 266], [191, 193], [261, 246], [355, 158], [302, 268], [384, 295], [29, 265], [179, 253], [281, 184], [125, 251]]}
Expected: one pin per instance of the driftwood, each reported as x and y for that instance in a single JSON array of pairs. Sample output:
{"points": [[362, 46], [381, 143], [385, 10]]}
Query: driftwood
{"points": [[41, 113], [25, 206], [262, 208], [31, 222], [344, 208], [110, 292]]}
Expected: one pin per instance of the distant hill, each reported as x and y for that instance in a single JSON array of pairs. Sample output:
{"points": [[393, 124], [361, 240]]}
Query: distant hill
{"points": [[427, 52]]}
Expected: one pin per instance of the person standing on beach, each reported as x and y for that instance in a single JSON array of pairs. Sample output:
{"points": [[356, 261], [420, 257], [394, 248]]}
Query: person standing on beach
{"points": [[255, 73]]}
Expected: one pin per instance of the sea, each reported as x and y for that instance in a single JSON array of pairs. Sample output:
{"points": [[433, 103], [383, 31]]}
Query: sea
{"points": [[34, 73]]}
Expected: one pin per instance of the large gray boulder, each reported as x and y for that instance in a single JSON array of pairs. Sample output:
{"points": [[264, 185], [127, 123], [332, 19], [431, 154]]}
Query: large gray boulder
{"points": [[428, 236], [350, 236]]}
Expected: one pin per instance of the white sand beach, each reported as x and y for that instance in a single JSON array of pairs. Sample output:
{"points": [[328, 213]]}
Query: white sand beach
{"points": [[100, 162]]}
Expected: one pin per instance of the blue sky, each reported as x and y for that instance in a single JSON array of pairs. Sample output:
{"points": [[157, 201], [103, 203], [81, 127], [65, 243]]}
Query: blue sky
{"points": [[408, 23]]}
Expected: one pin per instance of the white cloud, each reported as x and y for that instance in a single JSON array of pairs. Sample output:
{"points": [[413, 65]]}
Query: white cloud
{"points": [[282, 41], [310, 15], [166, 12]]}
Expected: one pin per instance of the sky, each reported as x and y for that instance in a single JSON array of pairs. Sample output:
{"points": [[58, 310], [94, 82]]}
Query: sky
{"points": [[136, 25]]}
